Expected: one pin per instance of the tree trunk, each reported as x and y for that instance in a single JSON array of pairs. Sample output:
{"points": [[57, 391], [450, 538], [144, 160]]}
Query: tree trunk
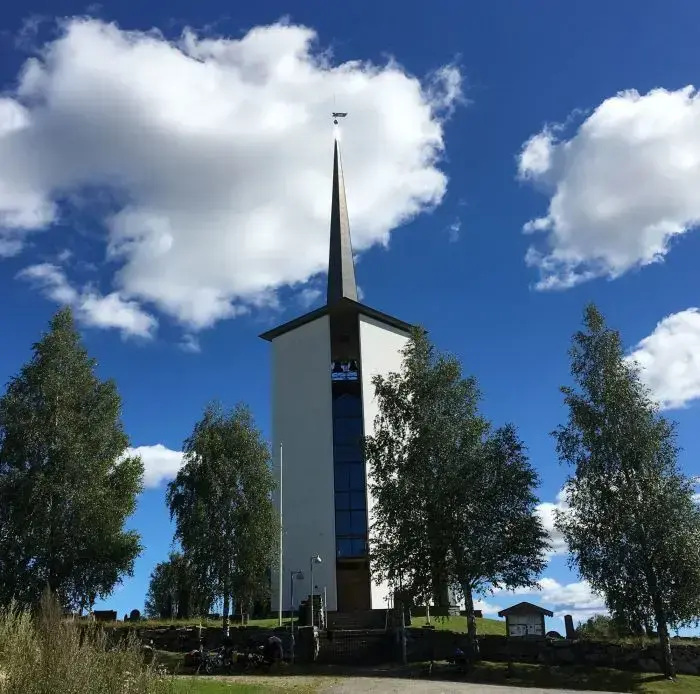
{"points": [[226, 608], [471, 622], [669, 666], [168, 613]]}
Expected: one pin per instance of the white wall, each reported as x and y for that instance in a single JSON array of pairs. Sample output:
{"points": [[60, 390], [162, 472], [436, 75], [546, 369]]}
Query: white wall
{"points": [[380, 352], [302, 421]]}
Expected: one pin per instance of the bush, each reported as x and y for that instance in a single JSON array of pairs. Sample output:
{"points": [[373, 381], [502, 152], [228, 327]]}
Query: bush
{"points": [[601, 627], [46, 654]]}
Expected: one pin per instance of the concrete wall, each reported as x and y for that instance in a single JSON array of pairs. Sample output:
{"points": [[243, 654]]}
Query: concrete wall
{"points": [[380, 353], [302, 421]]}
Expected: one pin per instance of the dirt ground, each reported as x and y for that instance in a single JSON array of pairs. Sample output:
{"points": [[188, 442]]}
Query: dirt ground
{"points": [[391, 685], [384, 685]]}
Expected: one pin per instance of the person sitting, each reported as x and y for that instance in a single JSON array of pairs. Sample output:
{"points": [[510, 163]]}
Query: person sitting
{"points": [[273, 651]]}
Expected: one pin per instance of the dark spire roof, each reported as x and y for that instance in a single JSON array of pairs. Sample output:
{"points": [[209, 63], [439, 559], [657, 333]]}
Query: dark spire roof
{"points": [[341, 267]]}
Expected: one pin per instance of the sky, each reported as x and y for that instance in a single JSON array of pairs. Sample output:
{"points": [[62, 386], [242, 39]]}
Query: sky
{"points": [[165, 169]]}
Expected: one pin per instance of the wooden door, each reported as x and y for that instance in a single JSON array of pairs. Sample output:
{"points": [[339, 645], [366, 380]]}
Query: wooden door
{"points": [[353, 583]]}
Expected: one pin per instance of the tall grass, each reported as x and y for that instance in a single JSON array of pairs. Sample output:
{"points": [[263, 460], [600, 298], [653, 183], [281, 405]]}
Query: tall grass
{"points": [[43, 653]]}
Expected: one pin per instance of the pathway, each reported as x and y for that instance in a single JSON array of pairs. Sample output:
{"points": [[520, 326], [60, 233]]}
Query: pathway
{"points": [[386, 685]]}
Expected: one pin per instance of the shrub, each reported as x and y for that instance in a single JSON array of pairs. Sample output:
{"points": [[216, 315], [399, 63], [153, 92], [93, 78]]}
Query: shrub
{"points": [[601, 627], [43, 653]]}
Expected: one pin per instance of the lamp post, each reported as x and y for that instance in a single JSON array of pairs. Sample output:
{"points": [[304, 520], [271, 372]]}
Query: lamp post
{"points": [[314, 560]]}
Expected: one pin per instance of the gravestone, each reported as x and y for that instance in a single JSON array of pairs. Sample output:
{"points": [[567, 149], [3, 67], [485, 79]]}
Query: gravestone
{"points": [[134, 616], [569, 625]]}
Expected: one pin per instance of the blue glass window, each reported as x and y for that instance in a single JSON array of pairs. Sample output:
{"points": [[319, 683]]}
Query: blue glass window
{"points": [[349, 477], [347, 454], [357, 477], [359, 547], [342, 523], [358, 523], [350, 523], [358, 501], [347, 406], [350, 483], [351, 547], [342, 501], [344, 547], [350, 501], [347, 431]]}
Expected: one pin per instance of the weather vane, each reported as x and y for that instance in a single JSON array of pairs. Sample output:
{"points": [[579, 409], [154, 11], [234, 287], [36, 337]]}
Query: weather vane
{"points": [[337, 115]]}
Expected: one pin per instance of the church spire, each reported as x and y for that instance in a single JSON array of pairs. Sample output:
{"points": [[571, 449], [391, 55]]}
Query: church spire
{"points": [[341, 267]]}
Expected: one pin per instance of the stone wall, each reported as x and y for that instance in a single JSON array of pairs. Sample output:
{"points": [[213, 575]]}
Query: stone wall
{"points": [[367, 646], [184, 639], [424, 643]]}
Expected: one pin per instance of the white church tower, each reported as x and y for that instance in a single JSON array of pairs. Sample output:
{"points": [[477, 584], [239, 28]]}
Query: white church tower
{"points": [[323, 404]]}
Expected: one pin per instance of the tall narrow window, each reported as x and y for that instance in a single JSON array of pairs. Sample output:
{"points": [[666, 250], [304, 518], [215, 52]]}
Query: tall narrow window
{"points": [[349, 473]]}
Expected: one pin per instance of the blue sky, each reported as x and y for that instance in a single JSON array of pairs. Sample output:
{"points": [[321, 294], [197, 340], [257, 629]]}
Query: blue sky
{"points": [[165, 169]]}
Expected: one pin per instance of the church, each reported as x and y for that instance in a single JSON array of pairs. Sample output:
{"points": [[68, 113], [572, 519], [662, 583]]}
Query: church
{"points": [[323, 405]]}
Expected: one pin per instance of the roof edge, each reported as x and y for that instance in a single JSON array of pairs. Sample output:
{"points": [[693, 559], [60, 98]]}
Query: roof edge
{"points": [[519, 606], [343, 305]]}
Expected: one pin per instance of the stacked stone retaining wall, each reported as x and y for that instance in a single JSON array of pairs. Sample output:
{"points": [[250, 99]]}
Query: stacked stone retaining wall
{"points": [[422, 644]]}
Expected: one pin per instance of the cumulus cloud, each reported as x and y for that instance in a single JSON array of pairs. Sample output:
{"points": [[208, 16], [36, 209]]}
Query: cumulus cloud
{"points": [[486, 607], [621, 188], [669, 359], [546, 511], [216, 153], [576, 599], [160, 464], [454, 230], [91, 308]]}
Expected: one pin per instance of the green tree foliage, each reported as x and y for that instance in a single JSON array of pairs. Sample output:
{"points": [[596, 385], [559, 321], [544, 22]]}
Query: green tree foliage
{"points": [[173, 591], [454, 501], [602, 627], [221, 503], [633, 529], [66, 483]]}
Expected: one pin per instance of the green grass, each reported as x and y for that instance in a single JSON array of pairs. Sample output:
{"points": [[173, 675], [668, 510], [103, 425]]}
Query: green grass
{"points": [[484, 627]]}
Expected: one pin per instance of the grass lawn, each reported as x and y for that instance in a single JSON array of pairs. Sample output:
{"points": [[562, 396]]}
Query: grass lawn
{"points": [[484, 627]]}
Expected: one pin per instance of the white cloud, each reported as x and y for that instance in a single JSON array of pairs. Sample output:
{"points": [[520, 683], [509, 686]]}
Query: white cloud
{"points": [[454, 230], [669, 359], [190, 343], [217, 155], [160, 463], [576, 599], [620, 189], [545, 511], [91, 308], [310, 296], [487, 608]]}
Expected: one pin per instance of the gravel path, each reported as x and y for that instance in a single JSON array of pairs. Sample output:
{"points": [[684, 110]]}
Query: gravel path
{"points": [[388, 685], [385, 685]]}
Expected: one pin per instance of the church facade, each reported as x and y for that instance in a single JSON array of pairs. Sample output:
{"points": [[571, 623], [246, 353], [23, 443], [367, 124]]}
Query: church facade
{"points": [[323, 405]]}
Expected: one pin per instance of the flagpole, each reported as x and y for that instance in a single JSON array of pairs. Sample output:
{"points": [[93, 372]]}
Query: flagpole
{"points": [[281, 587]]}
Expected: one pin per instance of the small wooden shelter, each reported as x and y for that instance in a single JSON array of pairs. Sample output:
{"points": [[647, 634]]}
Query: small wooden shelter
{"points": [[525, 619]]}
